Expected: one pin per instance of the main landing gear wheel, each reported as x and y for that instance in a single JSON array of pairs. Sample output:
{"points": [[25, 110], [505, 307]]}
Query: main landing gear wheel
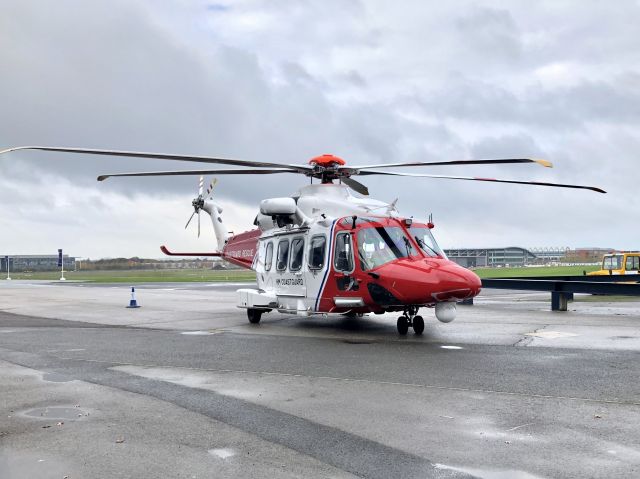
{"points": [[254, 315], [418, 325], [403, 325]]}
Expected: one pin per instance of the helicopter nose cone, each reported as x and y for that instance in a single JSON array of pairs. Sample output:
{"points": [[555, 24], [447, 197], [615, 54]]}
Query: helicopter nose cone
{"points": [[457, 282], [428, 281]]}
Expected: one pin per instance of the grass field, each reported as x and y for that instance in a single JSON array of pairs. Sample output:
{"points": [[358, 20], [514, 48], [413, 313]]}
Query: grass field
{"points": [[152, 276], [204, 275]]}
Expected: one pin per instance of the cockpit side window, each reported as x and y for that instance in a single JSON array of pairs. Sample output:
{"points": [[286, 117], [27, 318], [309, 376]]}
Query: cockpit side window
{"points": [[283, 255], [343, 256], [632, 263]]}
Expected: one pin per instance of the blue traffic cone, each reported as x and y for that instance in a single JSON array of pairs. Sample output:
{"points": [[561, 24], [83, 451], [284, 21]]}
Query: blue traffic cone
{"points": [[133, 303]]}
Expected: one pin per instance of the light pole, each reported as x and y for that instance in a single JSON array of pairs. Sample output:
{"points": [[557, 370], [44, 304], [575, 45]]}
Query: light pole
{"points": [[61, 264], [6, 258]]}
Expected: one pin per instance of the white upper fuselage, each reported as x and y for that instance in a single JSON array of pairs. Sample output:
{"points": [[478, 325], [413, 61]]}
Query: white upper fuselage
{"points": [[336, 200], [321, 202]]}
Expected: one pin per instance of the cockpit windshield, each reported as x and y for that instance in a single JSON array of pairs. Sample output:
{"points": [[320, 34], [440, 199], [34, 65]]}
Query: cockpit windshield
{"points": [[381, 244], [612, 262], [426, 241]]}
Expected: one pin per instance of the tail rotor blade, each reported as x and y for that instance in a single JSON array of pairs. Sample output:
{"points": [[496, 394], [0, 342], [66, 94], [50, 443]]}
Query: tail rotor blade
{"points": [[211, 186], [190, 218], [200, 185], [198, 224]]}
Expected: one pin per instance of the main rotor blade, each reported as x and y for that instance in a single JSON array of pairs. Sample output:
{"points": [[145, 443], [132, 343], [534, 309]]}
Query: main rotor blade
{"points": [[356, 186], [269, 171], [505, 161], [161, 156], [471, 178]]}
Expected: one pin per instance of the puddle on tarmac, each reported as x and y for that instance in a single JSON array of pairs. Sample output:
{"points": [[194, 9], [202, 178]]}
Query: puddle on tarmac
{"points": [[551, 334], [56, 378], [222, 453], [490, 473], [357, 341], [59, 413]]}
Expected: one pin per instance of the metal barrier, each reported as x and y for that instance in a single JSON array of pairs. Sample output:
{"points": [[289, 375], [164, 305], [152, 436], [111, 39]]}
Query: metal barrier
{"points": [[562, 288]]}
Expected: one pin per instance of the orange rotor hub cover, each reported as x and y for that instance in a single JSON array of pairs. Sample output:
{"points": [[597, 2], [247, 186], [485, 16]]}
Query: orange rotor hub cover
{"points": [[327, 160]]}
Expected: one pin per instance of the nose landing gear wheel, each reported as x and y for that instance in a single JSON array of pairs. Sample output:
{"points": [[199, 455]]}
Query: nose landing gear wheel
{"points": [[254, 315], [403, 325], [418, 325]]}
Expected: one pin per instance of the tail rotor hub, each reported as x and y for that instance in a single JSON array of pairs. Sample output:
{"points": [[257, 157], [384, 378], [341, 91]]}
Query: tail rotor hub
{"points": [[198, 203]]}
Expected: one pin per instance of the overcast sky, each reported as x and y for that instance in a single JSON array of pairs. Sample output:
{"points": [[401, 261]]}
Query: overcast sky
{"points": [[283, 81]]}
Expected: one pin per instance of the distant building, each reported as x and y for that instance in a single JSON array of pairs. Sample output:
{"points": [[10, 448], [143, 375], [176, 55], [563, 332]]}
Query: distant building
{"points": [[36, 262], [491, 257], [589, 254], [550, 254]]}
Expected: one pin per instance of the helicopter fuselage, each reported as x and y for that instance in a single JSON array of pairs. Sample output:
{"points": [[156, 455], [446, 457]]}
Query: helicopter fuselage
{"points": [[369, 260]]}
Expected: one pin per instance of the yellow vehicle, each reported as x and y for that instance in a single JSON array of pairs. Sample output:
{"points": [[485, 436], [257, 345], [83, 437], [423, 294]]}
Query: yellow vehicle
{"points": [[619, 263]]}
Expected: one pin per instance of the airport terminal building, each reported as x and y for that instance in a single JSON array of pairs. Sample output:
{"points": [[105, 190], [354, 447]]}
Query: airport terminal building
{"points": [[492, 257], [36, 262]]}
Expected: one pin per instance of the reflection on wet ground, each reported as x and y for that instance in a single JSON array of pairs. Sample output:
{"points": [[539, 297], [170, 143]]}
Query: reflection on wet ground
{"points": [[60, 413]]}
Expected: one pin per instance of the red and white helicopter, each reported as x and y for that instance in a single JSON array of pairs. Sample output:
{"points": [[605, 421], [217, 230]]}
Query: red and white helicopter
{"points": [[325, 251]]}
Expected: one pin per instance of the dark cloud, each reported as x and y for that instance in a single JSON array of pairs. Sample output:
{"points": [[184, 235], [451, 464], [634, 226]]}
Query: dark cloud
{"points": [[284, 81], [491, 32], [507, 146]]}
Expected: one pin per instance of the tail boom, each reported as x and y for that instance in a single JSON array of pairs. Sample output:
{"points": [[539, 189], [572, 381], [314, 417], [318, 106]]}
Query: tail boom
{"points": [[242, 248]]}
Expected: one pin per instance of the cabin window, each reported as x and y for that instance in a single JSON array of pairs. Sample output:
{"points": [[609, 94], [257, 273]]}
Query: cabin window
{"points": [[283, 255], [316, 252], [633, 263], [297, 254], [343, 257], [268, 256]]}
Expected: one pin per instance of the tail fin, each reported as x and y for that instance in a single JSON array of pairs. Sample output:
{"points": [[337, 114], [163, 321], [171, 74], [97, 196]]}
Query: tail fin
{"points": [[219, 228]]}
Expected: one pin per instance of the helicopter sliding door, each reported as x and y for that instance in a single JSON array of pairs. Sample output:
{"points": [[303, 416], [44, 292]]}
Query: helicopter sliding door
{"points": [[317, 265], [289, 281]]}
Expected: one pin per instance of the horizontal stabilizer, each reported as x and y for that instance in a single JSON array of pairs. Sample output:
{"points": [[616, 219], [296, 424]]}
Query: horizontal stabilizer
{"points": [[166, 251]]}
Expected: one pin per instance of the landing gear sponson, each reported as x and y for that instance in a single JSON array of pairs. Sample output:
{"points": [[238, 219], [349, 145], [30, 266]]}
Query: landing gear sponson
{"points": [[410, 318]]}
